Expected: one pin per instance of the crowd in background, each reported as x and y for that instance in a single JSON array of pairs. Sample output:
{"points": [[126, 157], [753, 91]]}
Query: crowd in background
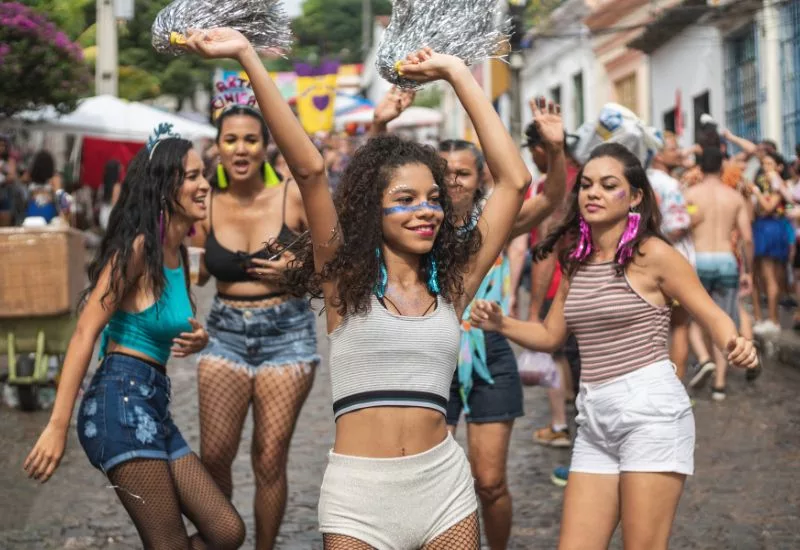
{"points": [[32, 188]]}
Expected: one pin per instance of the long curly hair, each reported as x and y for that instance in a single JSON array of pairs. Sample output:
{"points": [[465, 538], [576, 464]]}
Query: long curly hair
{"points": [[568, 232], [150, 188], [358, 200]]}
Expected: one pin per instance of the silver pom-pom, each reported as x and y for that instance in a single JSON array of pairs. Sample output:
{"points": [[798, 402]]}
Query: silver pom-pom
{"points": [[265, 23], [471, 30]]}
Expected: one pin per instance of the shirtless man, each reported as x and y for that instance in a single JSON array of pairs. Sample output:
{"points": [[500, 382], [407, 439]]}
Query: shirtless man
{"points": [[721, 210]]}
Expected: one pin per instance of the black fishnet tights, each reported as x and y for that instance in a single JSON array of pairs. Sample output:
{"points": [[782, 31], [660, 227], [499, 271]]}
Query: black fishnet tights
{"points": [[224, 396], [464, 535], [156, 493], [277, 394]]}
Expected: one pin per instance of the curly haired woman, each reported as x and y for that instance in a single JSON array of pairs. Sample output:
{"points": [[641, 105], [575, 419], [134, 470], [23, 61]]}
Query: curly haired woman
{"points": [[635, 442], [396, 275]]}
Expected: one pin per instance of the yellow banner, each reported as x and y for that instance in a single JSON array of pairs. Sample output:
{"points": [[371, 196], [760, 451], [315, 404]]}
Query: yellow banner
{"points": [[316, 96]]}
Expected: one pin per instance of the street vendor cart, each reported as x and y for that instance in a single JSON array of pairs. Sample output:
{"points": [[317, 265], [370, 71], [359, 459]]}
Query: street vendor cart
{"points": [[42, 273]]}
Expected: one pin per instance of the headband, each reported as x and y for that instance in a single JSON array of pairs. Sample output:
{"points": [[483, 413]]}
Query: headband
{"points": [[160, 133]]}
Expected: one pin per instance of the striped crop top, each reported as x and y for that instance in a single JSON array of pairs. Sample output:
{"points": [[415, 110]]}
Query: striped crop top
{"points": [[617, 330], [380, 359]]}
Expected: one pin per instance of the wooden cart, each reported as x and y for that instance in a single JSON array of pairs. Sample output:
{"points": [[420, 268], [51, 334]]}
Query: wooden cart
{"points": [[41, 277]]}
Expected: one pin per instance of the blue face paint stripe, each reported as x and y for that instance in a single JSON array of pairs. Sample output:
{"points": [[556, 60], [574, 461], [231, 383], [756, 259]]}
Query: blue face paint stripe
{"points": [[410, 209]]}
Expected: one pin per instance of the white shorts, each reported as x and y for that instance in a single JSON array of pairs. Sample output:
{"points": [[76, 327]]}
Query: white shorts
{"points": [[639, 422], [397, 503]]}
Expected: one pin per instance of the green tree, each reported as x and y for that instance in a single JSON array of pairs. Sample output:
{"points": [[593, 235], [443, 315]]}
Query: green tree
{"points": [[537, 12], [332, 29], [143, 73], [177, 76], [39, 65], [71, 16]]}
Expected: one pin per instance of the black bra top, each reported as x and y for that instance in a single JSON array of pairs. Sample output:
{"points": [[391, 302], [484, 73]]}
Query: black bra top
{"points": [[228, 266]]}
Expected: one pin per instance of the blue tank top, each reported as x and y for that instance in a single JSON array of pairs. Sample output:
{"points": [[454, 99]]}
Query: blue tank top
{"points": [[151, 331]]}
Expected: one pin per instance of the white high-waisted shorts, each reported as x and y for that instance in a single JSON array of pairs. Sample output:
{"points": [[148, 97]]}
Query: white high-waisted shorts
{"points": [[397, 503], [639, 422]]}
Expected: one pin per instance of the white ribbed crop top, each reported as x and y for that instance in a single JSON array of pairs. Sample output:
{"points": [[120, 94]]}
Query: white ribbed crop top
{"points": [[380, 359]]}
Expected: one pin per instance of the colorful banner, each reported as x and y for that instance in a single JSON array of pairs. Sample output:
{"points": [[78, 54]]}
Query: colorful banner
{"points": [[316, 95], [230, 87]]}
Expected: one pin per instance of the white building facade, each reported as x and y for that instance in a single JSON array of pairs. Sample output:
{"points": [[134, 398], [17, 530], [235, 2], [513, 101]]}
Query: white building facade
{"points": [[560, 65], [738, 61], [687, 72]]}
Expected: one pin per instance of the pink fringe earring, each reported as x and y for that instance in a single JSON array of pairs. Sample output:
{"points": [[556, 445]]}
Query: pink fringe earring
{"points": [[584, 247], [192, 231], [624, 250]]}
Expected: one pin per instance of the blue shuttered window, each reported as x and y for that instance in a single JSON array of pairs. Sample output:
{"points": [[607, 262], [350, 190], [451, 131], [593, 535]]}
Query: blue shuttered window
{"points": [[742, 84]]}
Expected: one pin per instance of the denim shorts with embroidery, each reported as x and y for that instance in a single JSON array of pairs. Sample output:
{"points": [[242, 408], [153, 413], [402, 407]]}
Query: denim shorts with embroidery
{"points": [[262, 337], [124, 415]]}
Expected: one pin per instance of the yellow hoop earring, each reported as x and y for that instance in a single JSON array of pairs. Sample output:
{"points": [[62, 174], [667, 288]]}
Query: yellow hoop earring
{"points": [[222, 179], [271, 178]]}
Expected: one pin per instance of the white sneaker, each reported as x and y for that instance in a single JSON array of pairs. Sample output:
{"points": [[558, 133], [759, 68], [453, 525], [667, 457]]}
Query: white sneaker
{"points": [[767, 327]]}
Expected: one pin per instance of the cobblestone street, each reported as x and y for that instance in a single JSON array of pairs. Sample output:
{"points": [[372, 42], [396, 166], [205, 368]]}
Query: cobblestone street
{"points": [[745, 494]]}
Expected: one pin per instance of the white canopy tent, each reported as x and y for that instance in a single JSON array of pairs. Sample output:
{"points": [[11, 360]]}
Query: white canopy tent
{"points": [[112, 118]]}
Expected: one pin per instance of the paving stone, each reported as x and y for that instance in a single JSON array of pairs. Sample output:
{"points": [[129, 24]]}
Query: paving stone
{"points": [[745, 494]]}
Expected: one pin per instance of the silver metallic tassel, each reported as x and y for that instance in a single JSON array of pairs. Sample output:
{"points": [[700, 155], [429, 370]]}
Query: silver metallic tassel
{"points": [[469, 29], [264, 22]]}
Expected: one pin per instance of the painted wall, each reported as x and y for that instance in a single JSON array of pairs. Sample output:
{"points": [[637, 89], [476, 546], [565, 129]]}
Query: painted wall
{"points": [[614, 60], [691, 62], [555, 62]]}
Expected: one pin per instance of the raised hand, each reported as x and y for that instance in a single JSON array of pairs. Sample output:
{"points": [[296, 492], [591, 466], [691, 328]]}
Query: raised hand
{"points": [[547, 117], [742, 353], [392, 105], [487, 315], [220, 43], [428, 66], [190, 342]]}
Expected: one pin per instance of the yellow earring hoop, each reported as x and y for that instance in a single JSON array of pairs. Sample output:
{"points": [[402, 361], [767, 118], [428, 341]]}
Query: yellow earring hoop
{"points": [[271, 178], [222, 178]]}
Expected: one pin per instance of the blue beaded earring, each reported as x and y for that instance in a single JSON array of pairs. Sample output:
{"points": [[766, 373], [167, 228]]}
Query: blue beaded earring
{"points": [[383, 277], [433, 275]]}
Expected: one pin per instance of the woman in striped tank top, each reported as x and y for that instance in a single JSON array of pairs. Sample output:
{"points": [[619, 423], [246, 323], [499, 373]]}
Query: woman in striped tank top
{"points": [[635, 442]]}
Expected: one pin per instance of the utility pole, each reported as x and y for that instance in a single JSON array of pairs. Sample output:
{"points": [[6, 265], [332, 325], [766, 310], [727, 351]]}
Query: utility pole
{"points": [[106, 67], [516, 61], [366, 27]]}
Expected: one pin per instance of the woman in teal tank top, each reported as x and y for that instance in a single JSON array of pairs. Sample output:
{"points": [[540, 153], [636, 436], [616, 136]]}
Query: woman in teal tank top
{"points": [[138, 298]]}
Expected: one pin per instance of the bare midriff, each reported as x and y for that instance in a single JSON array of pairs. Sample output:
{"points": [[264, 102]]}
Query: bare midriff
{"points": [[113, 347], [389, 432], [248, 289]]}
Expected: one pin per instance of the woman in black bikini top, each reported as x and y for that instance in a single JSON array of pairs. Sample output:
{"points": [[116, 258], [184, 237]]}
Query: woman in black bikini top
{"points": [[262, 341]]}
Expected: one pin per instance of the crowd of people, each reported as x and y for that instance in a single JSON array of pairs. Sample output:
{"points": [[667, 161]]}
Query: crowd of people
{"points": [[629, 269]]}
